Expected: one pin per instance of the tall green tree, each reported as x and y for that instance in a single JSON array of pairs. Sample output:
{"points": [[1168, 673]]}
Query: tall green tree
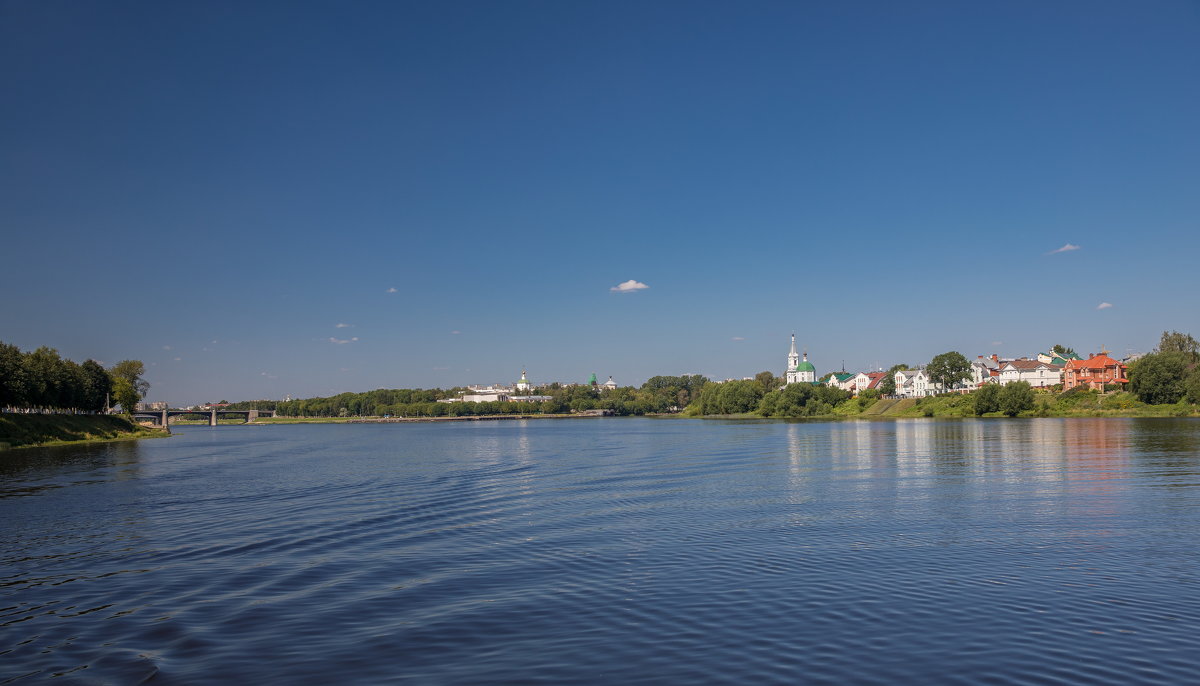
{"points": [[1175, 342], [128, 386], [948, 369], [1157, 378], [123, 394], [1062, 350], [97, 386], [14, 390], [131, 371], [888, 385], [768, 380], [44, 374]]}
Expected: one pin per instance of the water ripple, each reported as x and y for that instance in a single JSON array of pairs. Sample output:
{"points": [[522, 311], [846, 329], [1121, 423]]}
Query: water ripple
{"points": [[631, 551]]}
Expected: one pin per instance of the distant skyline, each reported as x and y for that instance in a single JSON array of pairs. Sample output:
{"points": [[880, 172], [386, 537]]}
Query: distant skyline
{"points": [[268, 198]]}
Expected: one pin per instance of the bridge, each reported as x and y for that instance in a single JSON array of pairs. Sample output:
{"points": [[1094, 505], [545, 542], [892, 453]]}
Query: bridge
{"points": [[161, 417]]}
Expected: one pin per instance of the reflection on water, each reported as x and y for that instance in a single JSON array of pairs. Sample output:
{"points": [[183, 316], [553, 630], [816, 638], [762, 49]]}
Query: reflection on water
{"points": [[609, 550]]}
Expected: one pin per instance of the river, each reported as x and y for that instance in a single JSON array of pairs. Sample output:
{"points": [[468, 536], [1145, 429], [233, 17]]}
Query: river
{"points": [[609, 551]]}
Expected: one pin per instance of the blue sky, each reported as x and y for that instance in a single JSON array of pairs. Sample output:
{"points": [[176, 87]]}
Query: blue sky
{"points": [[215, 187]]}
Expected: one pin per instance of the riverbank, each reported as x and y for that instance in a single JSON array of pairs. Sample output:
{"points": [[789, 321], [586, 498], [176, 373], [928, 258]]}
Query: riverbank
{"points": [[404, 420], [1116, 405], [28, 430], [1090, 404]]}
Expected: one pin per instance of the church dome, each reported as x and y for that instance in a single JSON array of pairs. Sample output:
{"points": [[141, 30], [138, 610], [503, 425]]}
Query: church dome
{"points": [[805, 366]]}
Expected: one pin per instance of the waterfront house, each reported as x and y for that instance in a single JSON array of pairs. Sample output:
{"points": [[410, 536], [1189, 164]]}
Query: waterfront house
{"points": [[1035, 373], [1058, 359], [984, 370], [864, 380], [913, 383], [842, 380], [1094, 372]]}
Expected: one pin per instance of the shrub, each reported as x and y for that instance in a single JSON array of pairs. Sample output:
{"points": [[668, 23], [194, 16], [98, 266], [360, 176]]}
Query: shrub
{"points": [[987, 399], [1015, 398], [1191, 386]]}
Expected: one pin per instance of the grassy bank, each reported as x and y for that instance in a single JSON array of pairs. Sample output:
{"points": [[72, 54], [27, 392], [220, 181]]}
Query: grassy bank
{"points": [[23, 430], [1088, 404], [397, 420]]}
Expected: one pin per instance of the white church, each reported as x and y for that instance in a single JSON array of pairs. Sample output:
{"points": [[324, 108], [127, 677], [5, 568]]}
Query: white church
{"points": [[800, 371]]}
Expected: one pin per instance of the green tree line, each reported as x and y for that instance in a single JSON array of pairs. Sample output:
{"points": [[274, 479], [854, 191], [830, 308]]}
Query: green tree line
{"points": [[659, 394], [41, 380]]}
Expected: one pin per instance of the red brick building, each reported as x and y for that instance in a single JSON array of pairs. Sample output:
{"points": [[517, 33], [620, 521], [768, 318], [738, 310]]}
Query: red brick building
{"points": [[1094, 372]]}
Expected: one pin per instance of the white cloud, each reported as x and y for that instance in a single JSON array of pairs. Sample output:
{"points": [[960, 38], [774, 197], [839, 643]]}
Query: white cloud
{"points": [[342, 341], [628, 286], [455, 332], [1066, 248], [393, 289], [1104, 306], [177, 359], [166, 347], [340, 325], [997, 343], [737, 338]]}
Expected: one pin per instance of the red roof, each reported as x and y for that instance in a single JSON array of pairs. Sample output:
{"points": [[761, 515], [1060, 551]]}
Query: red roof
{"points": [[1100, 361]]}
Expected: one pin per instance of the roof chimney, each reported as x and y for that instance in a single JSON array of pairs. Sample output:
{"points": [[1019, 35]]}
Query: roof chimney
{"points": [[1091, 355]]}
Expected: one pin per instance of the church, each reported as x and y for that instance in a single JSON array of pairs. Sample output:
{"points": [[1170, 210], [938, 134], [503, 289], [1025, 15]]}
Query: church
{"points": [[800, 371]]}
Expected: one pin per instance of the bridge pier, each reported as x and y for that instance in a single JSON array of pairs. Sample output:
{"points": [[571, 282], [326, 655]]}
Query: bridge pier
{"points": [[212, 417], [251, 416]]}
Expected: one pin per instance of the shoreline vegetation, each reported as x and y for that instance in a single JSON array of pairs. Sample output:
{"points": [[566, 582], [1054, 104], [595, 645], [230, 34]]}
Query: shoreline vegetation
{"points": [[41, 430], [1046, 405]]}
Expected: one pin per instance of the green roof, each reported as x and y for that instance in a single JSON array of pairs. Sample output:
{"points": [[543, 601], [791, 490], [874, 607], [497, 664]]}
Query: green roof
{"points": [[805, 366]]}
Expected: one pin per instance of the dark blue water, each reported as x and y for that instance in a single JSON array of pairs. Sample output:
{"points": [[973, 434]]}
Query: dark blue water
{"points": [[609, 551]]}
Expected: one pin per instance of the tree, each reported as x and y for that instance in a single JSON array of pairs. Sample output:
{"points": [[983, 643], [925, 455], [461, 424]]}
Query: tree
{"points": [[13, 387], [1016, 397], [1157, 378], [1062, 350], [768, 380], [130, 371], [123, 393], [948, 369], [97, 386], [43, 369], [801, 400], [1175, 342], [888, 385], [1192, 386], [987, 399]]}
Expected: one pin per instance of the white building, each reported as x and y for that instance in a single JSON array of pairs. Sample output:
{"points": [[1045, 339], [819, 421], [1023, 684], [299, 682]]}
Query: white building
{"points": [[523, 383], [913, 383], [1037, 374], [983, 370], [800, 371], [864, 380]]}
